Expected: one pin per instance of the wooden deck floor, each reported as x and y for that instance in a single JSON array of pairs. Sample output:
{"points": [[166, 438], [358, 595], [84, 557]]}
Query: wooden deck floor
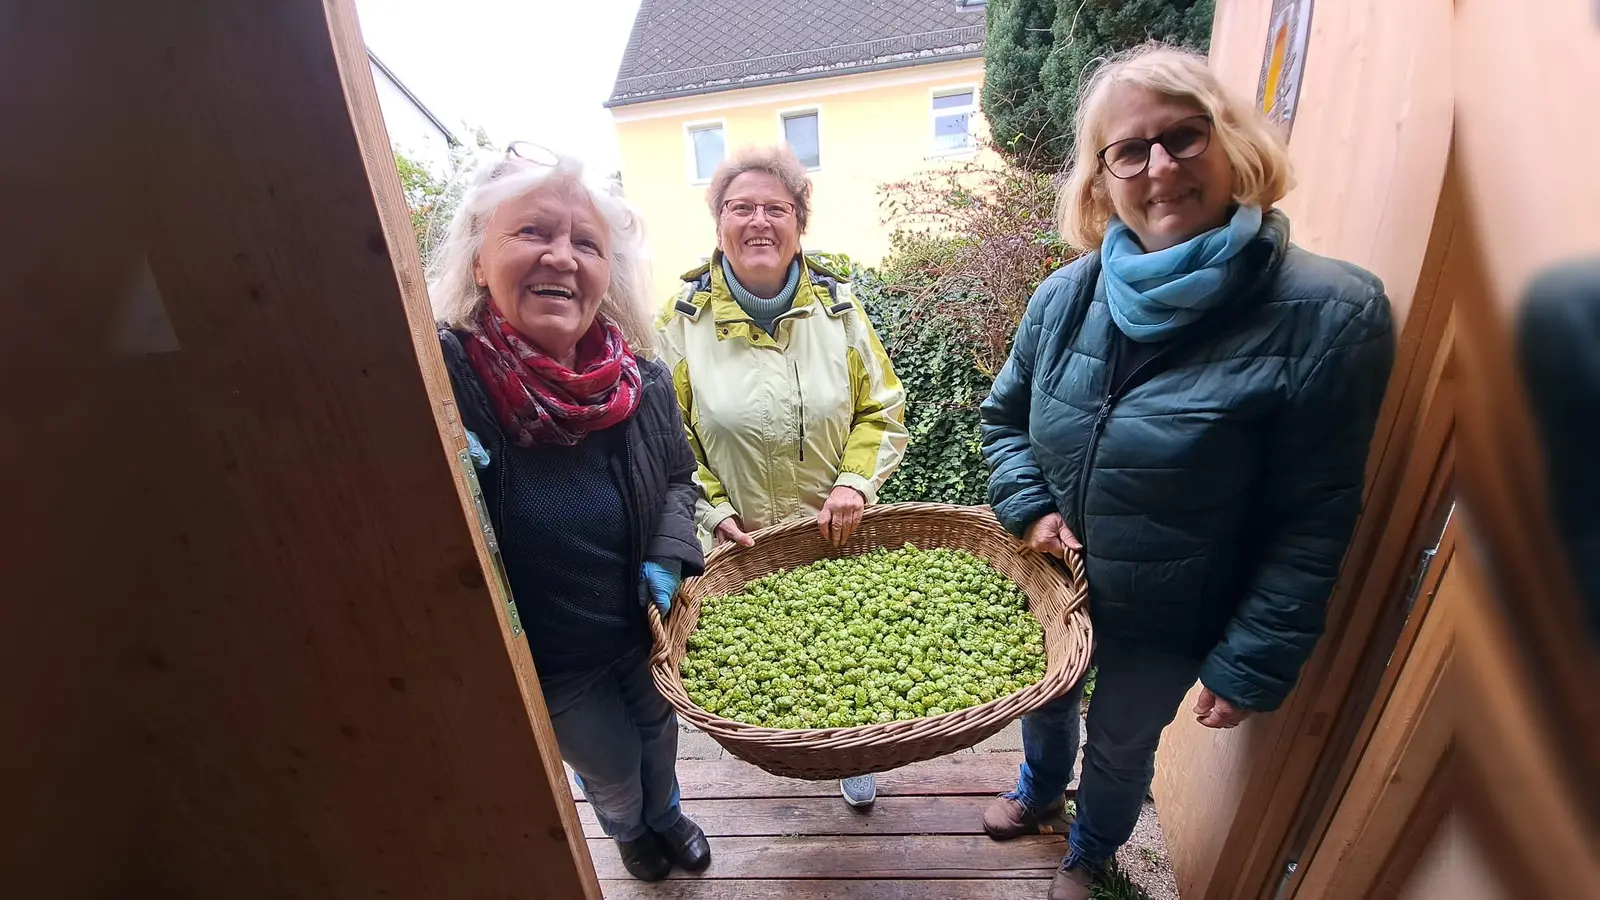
{"points": [[775, 838]]}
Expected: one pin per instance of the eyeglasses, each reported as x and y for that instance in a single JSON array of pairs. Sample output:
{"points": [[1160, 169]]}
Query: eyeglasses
{"points": [[1185, 139], [744, 209], [531, 152]]}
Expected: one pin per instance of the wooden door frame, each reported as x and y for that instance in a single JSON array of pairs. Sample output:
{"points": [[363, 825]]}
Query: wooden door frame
{"points": [[1520, 779], [361, 94], [1404, 477], [277, 610], [1432, 473], [1401, 788], [1503, 484], [1531, 780], [1343, 760]]}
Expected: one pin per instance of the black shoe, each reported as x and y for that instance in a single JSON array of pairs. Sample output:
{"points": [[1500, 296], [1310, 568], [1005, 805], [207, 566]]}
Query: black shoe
{"points": [[644, 859], [686, 844]]}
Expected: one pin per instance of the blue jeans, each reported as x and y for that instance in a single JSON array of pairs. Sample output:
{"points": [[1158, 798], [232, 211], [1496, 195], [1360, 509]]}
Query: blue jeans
{"points": [[618, 733], [1137, 693]]}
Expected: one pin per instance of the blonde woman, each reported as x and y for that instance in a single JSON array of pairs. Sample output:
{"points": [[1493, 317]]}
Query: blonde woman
{"points": [[1189, 404]]}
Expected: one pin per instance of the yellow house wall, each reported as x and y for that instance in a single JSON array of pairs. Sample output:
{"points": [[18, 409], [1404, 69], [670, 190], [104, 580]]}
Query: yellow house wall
{"points": [[872, 129]]}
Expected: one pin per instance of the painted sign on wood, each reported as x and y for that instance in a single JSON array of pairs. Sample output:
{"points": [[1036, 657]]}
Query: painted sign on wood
{"points": [[1283, 63]]}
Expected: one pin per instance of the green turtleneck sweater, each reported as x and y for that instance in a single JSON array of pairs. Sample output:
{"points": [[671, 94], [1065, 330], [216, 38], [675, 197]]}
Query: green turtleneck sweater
{"points": [[763, 310]]}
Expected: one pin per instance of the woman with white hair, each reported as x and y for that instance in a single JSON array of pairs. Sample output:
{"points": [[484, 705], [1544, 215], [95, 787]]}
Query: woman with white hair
{"points": [[1189, 404], [586, 472]]}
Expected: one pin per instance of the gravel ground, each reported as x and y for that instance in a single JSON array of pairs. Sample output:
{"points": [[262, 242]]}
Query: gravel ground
{"points": [[1144, 858]]}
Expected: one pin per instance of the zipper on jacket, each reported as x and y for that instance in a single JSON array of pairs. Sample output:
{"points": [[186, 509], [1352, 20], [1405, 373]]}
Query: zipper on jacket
{"points": [[801, 391], [500, 499], [627, 473], [1212, 325], [1088, 462], [1100, 417]]}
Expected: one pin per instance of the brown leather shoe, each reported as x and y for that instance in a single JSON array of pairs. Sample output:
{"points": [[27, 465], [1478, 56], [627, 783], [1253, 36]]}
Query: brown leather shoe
{"points": [[1007, 818], [1071, 884]]}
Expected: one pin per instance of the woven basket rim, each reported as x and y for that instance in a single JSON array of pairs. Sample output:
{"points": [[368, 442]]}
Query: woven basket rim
{"points": [[996, 712]]}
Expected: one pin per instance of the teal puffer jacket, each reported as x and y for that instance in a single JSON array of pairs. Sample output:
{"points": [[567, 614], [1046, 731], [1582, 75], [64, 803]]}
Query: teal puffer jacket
{"points": [[1216, 490]]}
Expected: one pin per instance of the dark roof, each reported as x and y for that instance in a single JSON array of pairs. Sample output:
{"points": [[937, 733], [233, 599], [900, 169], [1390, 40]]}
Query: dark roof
{"points": [[685, 47]]}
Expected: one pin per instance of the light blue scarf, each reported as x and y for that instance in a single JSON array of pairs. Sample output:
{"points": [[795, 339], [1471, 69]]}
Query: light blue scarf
{"points": [[1153, 296]]}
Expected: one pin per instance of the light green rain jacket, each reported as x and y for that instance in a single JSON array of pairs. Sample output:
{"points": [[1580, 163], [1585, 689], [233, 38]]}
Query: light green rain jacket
{"points": [[778, 421]]}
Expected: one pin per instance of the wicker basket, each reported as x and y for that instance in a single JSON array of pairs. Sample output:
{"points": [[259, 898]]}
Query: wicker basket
{"points": [[1055, 596]]}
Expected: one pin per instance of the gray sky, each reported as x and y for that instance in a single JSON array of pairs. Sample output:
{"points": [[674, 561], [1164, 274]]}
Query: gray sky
{"points": [[534, 70]]}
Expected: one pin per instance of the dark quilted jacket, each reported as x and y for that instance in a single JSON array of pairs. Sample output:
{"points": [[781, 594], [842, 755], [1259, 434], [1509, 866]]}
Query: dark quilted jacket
{"points": [[659, 487], [1216, 491]]}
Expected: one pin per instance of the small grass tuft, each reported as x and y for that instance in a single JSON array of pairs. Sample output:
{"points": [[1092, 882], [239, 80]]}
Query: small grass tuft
{"points": [[1114, 884]]}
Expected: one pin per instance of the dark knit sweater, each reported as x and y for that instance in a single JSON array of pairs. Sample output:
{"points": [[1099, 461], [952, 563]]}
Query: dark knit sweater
{"points": [[548, 509], [568, 553]]}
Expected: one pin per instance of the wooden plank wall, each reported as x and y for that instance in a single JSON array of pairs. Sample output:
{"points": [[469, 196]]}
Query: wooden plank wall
{"points": [[1370, 144], [1526, 216], [1529, 665], [1523, 761], [268, 662], [1518, 72], [63, 701], [1401, 789], [1454, 867]]}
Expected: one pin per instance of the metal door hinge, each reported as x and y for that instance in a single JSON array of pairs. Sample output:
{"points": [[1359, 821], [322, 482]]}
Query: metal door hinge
{"points": [[475, 490], [1424, 563]]}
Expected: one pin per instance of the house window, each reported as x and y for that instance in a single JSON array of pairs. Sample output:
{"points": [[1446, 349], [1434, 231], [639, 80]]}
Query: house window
{"points": [[800, 131], [952, 121], [708, 148]]}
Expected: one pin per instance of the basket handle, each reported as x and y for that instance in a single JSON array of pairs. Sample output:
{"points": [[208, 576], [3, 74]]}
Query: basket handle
{"points": [[658, 633]]}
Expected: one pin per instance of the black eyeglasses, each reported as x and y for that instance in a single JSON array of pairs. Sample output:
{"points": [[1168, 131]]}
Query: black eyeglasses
{"points": [[531, 152], [1185, 139]]}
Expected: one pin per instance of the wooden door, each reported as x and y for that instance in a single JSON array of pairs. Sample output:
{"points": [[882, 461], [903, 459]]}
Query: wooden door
{"points": [[1370, 144], [1529, 663], [259, 656], [1402, 787], [1498, 797]]}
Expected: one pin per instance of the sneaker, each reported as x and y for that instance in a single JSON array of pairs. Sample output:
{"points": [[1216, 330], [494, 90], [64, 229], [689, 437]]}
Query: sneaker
{"points": [[1071, 883], [1007, 818], [644, 859], [860, 791]]}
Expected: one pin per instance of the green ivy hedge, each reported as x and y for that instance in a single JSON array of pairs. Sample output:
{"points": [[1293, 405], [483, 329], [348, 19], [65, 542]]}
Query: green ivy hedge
{"points": [[944, 386]]}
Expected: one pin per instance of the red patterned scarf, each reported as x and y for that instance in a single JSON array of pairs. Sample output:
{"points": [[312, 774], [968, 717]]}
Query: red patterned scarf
{"points": [[538, 400]]}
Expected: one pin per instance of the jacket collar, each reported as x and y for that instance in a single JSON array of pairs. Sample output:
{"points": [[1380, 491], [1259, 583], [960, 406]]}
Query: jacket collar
{"points": [[706, 287]]}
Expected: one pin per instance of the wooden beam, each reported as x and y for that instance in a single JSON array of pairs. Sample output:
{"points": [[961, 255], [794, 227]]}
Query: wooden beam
{"points": [[987, 775], [1523, 220], [1363, 710], [283, 664], [1370, 158], [65, 697], [789, 889], [1231, 820], [841, 857], [1407, 751], [1428, 823], [1528, 817], [826, 815]]}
